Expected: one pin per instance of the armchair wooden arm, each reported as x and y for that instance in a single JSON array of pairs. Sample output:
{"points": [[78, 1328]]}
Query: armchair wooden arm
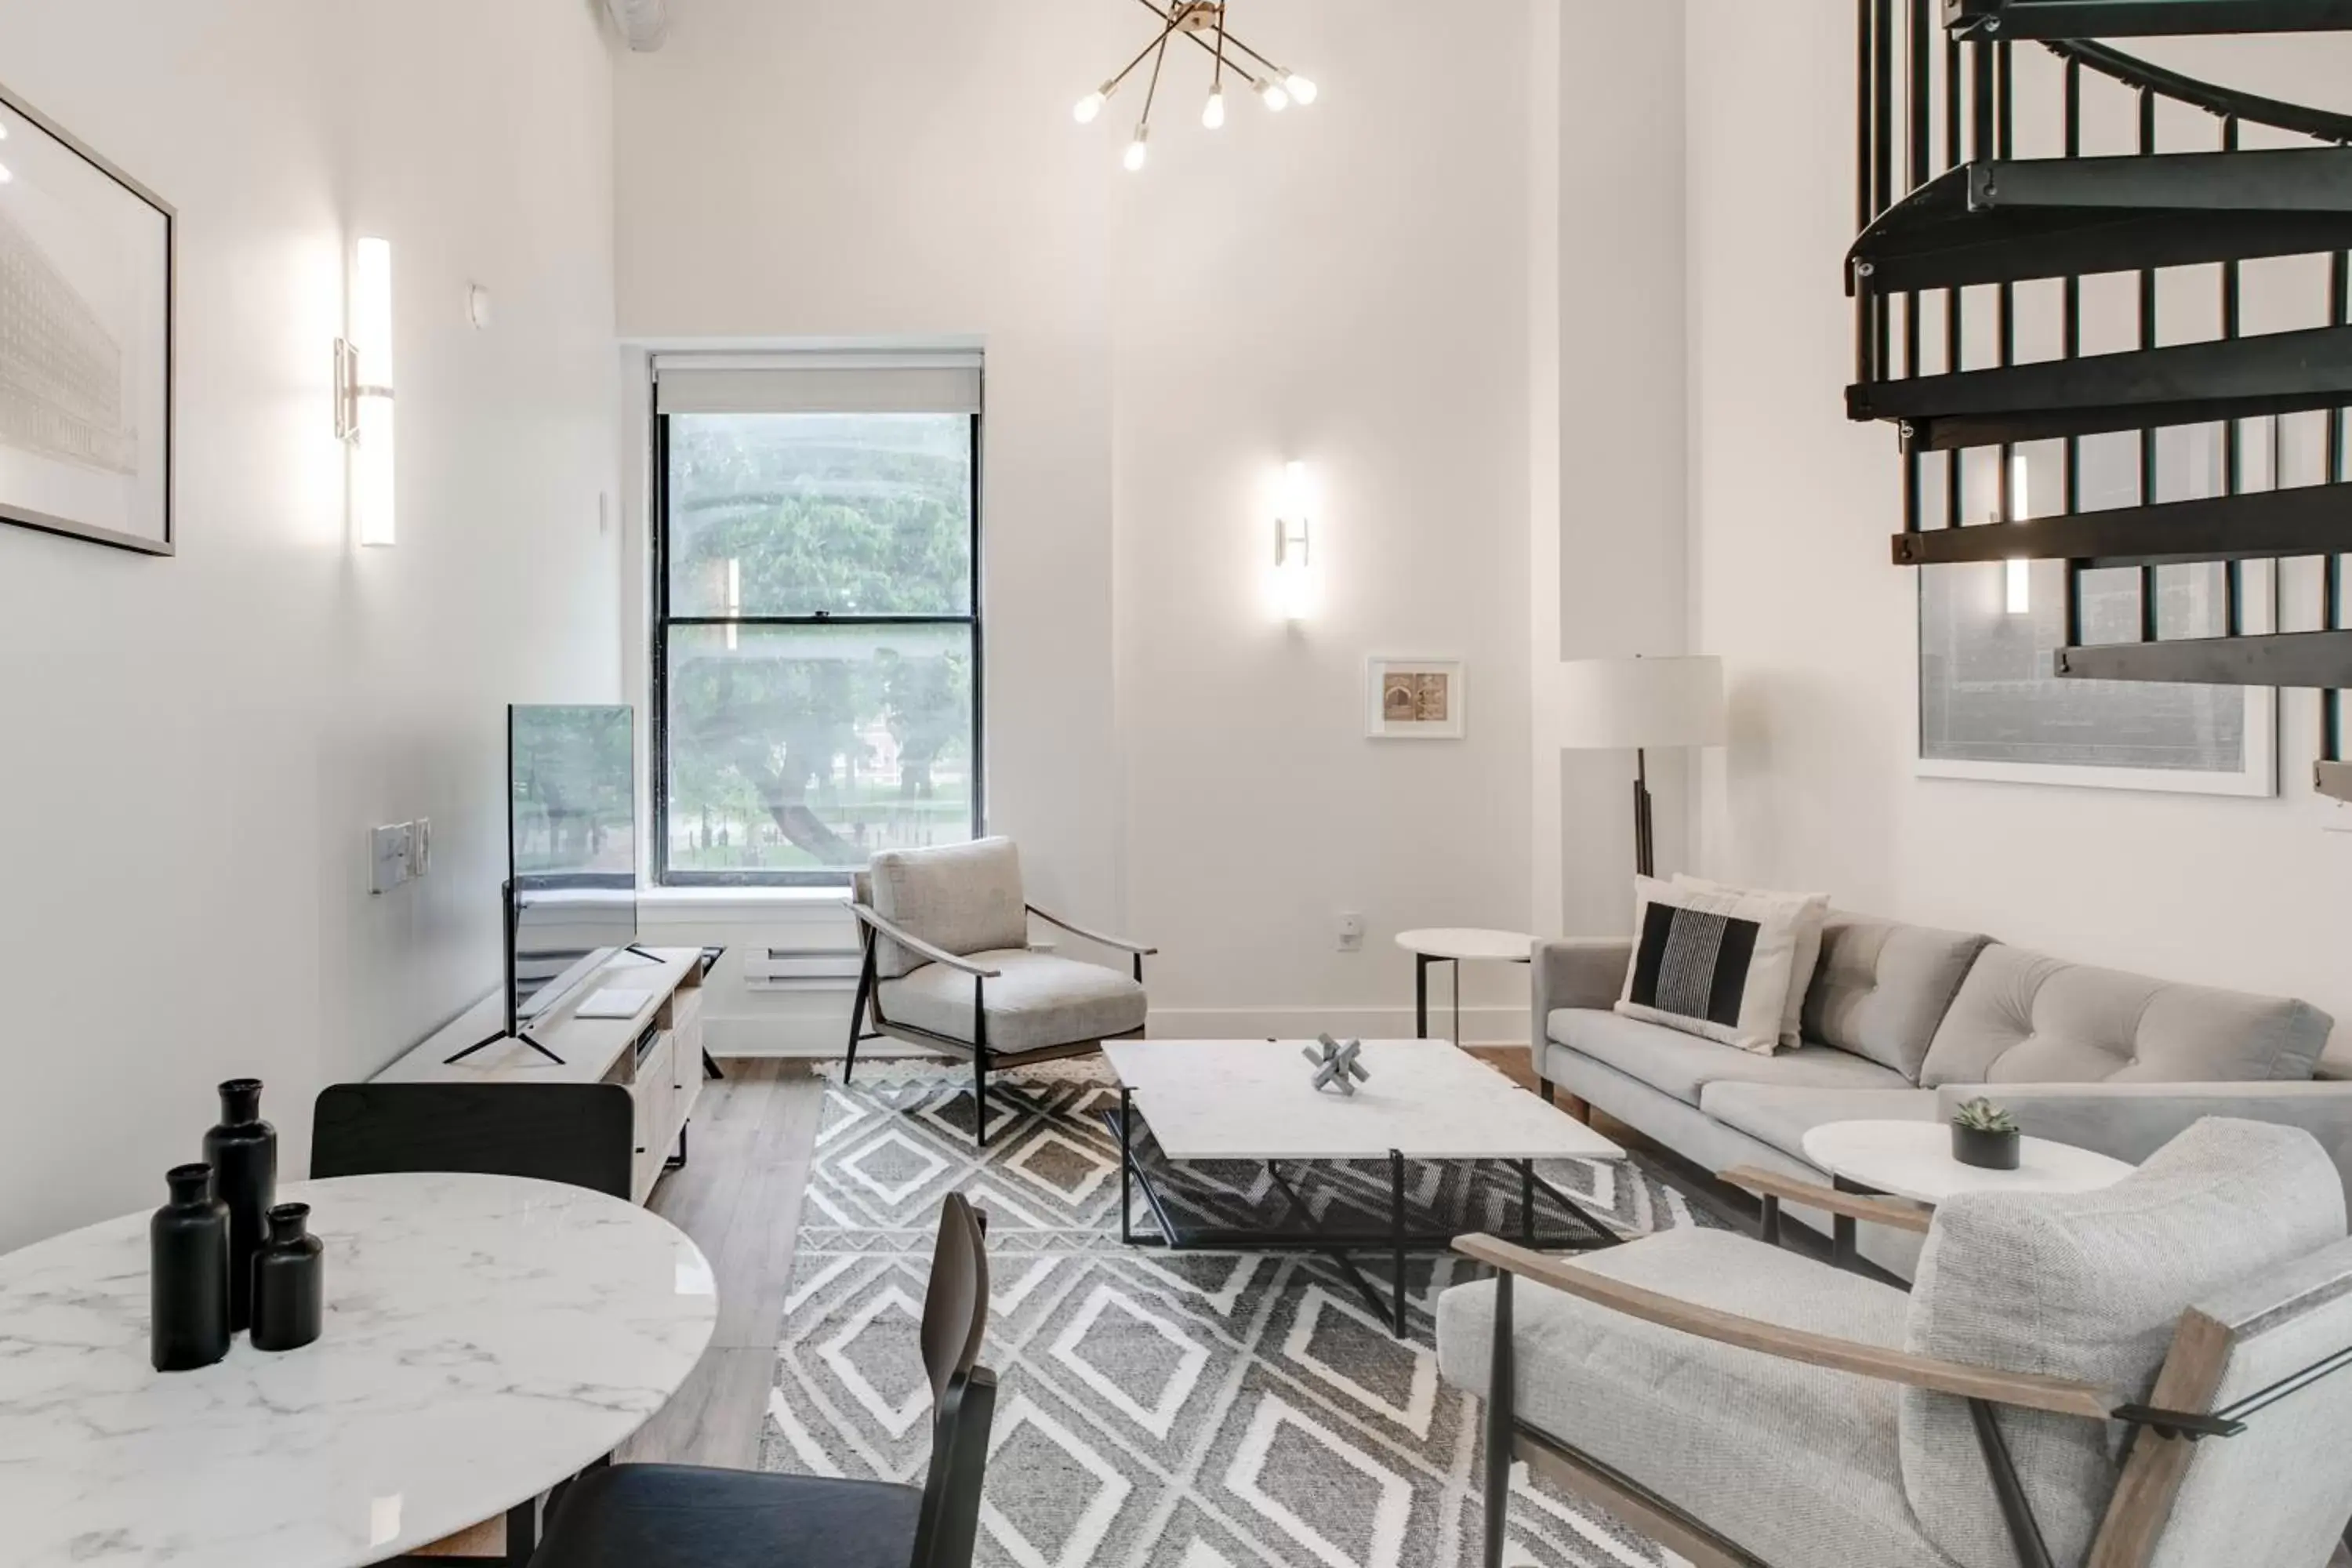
{"points": [[1120, 942], [2026, 1391], [917, 945], [1900, 1213]]}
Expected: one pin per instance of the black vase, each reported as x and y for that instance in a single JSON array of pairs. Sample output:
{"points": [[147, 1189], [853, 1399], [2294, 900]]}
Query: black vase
{"points": [[188, 1274], [1986, 1151], [289, 1296], [243, 1154]]}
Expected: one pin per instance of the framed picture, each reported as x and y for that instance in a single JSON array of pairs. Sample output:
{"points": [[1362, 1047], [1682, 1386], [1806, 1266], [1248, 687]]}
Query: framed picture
{"points": [[86, 334], [1415, 699], [1990, 706]]}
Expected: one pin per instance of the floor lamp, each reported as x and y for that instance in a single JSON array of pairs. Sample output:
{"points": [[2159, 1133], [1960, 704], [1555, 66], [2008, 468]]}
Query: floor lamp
{"points": [[1637, 705]]}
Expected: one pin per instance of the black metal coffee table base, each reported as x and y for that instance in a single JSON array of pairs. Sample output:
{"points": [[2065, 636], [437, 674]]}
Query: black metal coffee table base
{"points": [[1340, 1207]]}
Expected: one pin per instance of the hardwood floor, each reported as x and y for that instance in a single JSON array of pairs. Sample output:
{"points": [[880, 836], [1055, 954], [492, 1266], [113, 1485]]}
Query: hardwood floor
{"points": [[738, 1197]]}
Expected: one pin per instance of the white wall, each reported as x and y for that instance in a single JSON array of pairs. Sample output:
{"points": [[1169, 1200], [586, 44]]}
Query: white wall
{"points": [[1618, 571], [191, 750], [1791, 508], [1346, 286]]}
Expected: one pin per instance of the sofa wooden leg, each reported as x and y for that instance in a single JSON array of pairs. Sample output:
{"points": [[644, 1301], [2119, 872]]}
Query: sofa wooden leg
{"points": [[1546, 1087], [1577, 1107]]}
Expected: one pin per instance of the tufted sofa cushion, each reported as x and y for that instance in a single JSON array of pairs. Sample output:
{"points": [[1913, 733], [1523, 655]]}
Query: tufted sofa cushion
{"points": [[1882, 987], [2022, 1018]]}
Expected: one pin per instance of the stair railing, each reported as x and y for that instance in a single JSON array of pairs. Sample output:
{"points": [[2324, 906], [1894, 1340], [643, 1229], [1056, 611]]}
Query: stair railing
{"points": [[1973, 83]]}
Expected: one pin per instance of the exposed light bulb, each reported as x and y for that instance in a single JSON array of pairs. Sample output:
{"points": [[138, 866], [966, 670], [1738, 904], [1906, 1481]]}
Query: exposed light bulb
{"points": [[1213, 114], [6, 174], [1275, 99], [1088, 107], [1302, 91], [1137, 151]]}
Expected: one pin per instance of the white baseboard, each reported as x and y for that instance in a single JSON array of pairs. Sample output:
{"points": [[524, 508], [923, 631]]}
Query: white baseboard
{"points": [[824, 1034]]}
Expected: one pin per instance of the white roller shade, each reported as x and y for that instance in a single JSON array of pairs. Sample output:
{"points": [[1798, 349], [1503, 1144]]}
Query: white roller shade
{"points": [[817, 384]]}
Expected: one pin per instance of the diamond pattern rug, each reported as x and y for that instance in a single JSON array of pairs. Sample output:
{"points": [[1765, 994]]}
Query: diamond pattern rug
{"points": [[1155, 1410]]}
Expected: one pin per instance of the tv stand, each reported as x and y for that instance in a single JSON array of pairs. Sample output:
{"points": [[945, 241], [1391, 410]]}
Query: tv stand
{"points": [[522, 1035], [656, 1056]]}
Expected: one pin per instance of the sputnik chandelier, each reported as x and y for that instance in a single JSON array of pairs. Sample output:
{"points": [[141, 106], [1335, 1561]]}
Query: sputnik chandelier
{"points": [[1200, 23]]}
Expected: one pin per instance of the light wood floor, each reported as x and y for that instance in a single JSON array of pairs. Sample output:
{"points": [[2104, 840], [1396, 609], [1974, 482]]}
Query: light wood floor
{"points": [[738, 1197]]}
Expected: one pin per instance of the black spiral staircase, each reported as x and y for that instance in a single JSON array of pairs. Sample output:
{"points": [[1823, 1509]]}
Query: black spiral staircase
{"points": [[1974, 215]]}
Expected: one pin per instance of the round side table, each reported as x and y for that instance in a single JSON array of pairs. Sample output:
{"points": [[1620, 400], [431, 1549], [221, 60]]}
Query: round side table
{"points": [[1454, 945], [1914, 1160]]}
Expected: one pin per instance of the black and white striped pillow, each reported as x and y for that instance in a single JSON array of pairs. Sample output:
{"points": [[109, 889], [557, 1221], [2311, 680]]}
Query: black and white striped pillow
{"points": [[1714, 963]]}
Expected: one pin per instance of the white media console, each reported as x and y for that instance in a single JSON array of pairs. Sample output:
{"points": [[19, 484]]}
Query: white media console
{"points": [[656, 1053]]}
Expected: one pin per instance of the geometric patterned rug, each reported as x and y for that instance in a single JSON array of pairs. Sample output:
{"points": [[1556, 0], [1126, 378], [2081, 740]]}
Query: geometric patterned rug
{"points": [[1155, 1410]]}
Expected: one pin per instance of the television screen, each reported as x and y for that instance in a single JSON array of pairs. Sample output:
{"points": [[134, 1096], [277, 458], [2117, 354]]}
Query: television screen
{"points": [[572, 826]]}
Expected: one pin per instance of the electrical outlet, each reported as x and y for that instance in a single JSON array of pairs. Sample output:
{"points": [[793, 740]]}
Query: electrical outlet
{"points": [[420, 846], [388, 852], [1351, 933]]}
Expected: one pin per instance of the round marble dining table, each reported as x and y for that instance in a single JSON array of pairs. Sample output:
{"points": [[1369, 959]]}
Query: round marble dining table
{"points": [[485, 1337]]}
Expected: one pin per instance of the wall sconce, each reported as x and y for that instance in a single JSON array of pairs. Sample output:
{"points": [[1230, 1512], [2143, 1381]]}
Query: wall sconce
{"points": [[1293, 546], [363, 393], [2016, 585]]}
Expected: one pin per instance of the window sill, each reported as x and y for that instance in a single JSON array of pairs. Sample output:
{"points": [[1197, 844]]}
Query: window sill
{"points": [[686, 904]]}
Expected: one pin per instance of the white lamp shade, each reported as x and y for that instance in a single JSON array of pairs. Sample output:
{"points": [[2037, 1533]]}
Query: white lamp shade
{"points": [[1619, 704]]}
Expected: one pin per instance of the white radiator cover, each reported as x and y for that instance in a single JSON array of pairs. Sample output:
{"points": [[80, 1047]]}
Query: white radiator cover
{"points": [[644, 23]]}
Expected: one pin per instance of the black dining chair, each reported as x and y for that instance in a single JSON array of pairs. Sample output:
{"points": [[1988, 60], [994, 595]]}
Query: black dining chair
{"points": [[684, 1516]]}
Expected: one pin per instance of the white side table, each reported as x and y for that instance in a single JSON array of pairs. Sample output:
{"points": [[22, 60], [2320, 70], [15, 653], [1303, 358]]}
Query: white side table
{"points": [[1454, 944], [1914, 1160]]}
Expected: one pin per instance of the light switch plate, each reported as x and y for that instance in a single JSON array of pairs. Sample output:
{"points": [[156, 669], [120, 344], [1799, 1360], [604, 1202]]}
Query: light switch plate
{"points": [[388, 850], [1351, 933]]}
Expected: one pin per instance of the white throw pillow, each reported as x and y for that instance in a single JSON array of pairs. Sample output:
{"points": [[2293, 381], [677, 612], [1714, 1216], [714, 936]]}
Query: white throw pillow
{"points": [[1814, 913], [1712, 964]]}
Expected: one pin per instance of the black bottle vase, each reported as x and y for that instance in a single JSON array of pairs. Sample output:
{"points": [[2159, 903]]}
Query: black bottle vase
{"points": [[243, 1154], [289, 1296], [188, 1274]]}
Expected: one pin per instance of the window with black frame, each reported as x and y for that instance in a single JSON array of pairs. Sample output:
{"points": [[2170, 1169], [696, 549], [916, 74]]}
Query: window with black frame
{"points": [[816, 644]]}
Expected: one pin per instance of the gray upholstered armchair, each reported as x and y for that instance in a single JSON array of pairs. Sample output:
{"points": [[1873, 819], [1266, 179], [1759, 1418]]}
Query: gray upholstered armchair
{"points": [[947, 965], [2148, 1374]]}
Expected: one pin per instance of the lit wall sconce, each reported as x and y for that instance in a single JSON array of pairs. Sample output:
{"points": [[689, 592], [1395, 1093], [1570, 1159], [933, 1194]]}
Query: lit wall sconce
{"points": [[363, 393], [1293, 546], [2018, 595]]}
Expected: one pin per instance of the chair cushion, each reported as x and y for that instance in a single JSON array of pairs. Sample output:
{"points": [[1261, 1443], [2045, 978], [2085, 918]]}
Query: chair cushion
{"points": [[1682, 1065], [960, 897], [2025, 1018], [1781, 1114], [1797, 1464], [1039, 1000], [679, 1516], [2090, 1286], [1882, 987]]}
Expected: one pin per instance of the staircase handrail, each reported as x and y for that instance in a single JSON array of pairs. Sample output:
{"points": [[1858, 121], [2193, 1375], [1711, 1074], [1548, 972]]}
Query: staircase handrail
{"points": [[2249, 108]]}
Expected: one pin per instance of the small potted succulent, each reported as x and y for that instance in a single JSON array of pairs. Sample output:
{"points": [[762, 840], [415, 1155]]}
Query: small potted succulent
{"points": [[1985, 1135]]}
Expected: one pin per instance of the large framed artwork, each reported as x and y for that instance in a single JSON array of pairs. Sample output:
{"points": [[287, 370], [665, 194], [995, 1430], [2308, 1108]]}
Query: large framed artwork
{"points": [[1992, 707], [86, 336]]}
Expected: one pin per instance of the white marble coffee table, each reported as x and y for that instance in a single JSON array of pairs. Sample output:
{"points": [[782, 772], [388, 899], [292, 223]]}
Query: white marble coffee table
{"points": [[485, 1337], [1253, 1102]]}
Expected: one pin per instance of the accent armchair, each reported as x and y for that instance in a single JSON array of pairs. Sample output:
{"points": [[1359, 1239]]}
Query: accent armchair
{"points": [[947, 965], [2143, 1375]]}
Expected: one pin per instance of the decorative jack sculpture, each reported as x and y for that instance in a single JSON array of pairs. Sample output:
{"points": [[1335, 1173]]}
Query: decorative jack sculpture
{"points": [[1336, 1066]]}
